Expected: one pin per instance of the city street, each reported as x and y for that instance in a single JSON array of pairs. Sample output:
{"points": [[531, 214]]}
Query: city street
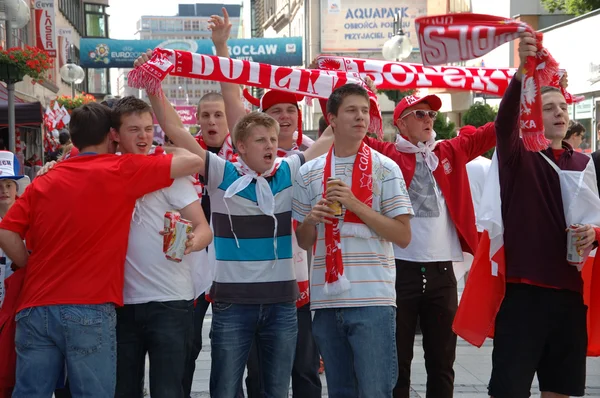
{"points": [[472, 367]]}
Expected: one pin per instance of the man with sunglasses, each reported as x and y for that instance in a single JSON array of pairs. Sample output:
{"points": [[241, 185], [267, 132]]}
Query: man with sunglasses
{"points": [[443, 227]]}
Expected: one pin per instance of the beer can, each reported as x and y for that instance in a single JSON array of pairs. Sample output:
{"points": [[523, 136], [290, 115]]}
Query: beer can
{"points": [[336, 206], [177, 230], [574, 257]]}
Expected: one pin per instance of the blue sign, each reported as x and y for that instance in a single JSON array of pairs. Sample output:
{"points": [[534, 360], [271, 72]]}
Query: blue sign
{"points": [[112, 53]]}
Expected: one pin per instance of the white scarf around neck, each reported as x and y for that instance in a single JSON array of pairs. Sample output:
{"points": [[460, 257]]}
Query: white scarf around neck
{"points": [[431, 159]]}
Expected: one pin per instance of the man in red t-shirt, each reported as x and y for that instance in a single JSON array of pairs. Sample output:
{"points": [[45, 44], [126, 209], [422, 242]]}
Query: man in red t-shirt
{"points": [[76, 219]]}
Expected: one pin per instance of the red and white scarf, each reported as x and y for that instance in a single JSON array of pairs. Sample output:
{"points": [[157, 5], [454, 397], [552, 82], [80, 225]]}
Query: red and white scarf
{"points": [[226, 153], [307, 82], [460, 37], [336, 281]]}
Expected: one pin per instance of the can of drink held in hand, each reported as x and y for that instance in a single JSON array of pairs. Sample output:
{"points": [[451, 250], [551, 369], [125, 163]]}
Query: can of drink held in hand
{"points": [[336, 206], [574, 257], [177, 230]]}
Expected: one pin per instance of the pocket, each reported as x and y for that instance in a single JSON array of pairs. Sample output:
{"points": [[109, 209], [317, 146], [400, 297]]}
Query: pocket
{"points": [[84, 327], [23, 333], [219, 306], [448, 270]]}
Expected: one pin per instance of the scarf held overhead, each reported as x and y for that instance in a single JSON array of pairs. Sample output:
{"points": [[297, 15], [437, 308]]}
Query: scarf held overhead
{"points": [[308, 82], [336, 281], [460, 37]]}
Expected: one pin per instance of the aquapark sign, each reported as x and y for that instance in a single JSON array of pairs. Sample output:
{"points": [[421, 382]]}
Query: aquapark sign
{"points": [[111, 53]]}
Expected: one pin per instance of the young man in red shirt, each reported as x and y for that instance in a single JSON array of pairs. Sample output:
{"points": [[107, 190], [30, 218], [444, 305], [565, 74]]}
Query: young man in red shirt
{"points": [[442, 229], [76, 219]]}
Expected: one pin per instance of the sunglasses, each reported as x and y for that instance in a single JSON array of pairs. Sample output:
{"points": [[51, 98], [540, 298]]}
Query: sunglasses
{"points": [[420, 114]]}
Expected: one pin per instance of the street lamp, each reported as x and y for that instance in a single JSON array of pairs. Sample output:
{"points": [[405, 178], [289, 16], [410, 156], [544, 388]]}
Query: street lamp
{"points": [[72, 73], [399, 46], [17, 16]]}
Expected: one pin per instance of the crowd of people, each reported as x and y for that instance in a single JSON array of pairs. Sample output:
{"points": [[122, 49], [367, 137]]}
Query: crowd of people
{"points": [[379, 225]]}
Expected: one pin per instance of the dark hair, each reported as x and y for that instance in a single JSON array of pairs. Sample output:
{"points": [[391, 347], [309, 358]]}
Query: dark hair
{"points": [[574, 128], [64, 138], [89, 125], [322, 125], [339, 94], [126, 106], [210, 97], [549, 89], [110, 102]]}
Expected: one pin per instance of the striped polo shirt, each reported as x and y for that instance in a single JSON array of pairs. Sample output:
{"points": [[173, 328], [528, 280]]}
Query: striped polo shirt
{"points": [[247, 270], [369, 264]]}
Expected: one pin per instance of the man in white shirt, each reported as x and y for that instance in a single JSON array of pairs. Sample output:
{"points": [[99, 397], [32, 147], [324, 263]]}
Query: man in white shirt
{"points": [[158, 294]]}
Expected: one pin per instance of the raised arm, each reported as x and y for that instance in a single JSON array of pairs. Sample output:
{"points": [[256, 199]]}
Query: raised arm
{"points": [[168, 118], [234, 107], [507, 120]]}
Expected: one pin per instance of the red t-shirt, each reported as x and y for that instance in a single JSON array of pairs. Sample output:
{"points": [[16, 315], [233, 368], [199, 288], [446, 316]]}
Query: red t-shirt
{"points": [[77, 218]]}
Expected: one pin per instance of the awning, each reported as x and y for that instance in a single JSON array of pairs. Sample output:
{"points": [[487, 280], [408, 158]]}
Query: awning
{"points": [[4, 95], [26, 114]]}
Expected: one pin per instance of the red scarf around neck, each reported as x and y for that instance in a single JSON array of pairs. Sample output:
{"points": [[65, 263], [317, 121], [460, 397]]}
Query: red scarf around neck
{"points": [[460, 37], [362, 187]]}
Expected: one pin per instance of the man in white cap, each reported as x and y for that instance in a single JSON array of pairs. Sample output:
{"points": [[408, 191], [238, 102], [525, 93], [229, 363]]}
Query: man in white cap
{"points": [[443, 227]]}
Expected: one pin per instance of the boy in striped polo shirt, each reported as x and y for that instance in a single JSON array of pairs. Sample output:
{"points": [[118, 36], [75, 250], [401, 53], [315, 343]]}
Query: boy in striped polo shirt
{"points": [[352, 284], [255, 290]]}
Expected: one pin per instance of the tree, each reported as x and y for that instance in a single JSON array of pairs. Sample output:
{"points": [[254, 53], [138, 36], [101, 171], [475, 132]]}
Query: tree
{"points": [[443, 128], [478, 115], [576, 7], [396, 95]]}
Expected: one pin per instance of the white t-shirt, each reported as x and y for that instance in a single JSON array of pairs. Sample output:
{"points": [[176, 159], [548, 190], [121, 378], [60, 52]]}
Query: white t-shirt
{"points": [[149, 276], [477, 170], [434, 236], [368, 263]]}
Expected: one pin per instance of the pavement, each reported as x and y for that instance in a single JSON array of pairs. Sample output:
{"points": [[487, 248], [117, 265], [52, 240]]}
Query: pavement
{"points": [[472, 367]]}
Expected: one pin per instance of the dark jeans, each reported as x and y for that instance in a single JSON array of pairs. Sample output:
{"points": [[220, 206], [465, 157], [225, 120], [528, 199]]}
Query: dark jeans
{"points": [[426, 291], [164, 330], [306, 382], [234, 327], [199, 313]]}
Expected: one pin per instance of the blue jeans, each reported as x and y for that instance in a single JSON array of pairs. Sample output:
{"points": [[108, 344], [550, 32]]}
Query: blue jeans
{"points": [[234, 327], [358, 346], [83, 336], [165, 331]]}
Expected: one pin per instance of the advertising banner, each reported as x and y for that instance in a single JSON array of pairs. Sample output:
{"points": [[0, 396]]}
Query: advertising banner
{"points": [[111, 53], [45, 27], [350, 26]]}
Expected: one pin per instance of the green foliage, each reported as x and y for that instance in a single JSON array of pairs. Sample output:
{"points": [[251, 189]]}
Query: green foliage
{"points": [[478, 115], [443, 128], [576, 7]]}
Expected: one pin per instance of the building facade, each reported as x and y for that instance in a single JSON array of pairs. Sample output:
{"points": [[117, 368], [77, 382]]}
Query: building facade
{"points": [[190, 24]]}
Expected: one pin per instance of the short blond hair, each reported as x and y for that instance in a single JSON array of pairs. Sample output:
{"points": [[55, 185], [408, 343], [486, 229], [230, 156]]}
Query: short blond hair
{"points": [[244, 126]]}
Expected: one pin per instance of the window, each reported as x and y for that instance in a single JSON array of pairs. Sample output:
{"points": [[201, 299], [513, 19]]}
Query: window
{"points": [[172, 93], [71, 9], [97, 81], [196, 25], [187, 25], [198, 93], [96, 20]]}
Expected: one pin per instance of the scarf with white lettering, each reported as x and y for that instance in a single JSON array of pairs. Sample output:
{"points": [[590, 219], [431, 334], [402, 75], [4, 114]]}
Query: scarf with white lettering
{"points": [[431, 159], [307, 82], [264, 195], [336, 281], [460, 37]]}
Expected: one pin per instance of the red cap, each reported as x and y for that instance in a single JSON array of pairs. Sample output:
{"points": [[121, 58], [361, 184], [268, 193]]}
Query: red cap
{"points": [[433, 100], [274, 97]]}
